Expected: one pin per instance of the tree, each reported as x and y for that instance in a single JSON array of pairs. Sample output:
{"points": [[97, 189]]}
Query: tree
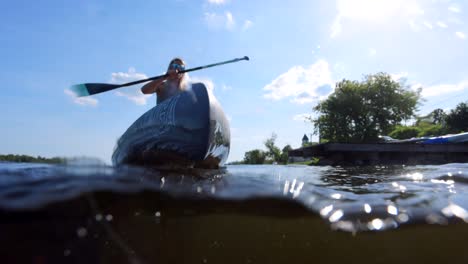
{"points": [[361, 111], [457, 119], [285, 154], [405, 132], [436, 117], [255, 156], [273, 152]]}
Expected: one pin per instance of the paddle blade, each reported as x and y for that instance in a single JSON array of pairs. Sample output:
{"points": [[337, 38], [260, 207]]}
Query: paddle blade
{"points": [[86, 89], [79, 90]]}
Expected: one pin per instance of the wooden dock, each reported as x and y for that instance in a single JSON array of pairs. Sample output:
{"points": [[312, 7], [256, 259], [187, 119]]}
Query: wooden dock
{"points": [[382, 154]]}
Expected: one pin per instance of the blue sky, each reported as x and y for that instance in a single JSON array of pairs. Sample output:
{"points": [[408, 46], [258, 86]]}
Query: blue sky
{"points": [[298, 50]]}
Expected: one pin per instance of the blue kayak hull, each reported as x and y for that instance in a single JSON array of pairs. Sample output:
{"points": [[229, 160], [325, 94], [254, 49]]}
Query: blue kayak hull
{"points": [[189, 129]]}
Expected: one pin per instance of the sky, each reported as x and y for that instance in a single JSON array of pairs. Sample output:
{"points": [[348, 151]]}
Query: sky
{"points": [[298, 50]]}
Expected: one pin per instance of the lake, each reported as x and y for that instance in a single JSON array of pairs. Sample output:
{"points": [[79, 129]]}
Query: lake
{"points": [[93, 213]]}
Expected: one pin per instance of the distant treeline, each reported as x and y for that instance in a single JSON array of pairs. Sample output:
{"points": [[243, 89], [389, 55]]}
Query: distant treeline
{"points": [[273, 154], [26, 158]]}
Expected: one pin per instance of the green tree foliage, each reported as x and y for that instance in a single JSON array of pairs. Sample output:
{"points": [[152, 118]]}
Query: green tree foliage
{"points": [[405, 132], [285, 154], [436, 117], [361, 111], [427, 129], [457, 119], [255, 156], [26, 158], [273, 152]]}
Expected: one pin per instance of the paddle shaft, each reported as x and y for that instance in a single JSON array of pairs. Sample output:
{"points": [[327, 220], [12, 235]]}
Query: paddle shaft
{"points": [[184, 71]]}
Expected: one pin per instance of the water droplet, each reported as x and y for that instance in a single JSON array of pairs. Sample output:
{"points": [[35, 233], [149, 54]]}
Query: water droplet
{"points": [[109, 217], [415, 176], [336, 196], [376, 224], [367, 208], [286, 188], [99, 217], [81, 232], [336, 216], [391, 209], [292, 186], [403, 218], [326, 210]]}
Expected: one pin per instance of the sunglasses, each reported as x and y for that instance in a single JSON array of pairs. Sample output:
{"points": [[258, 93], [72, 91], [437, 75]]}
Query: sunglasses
{"points": [[177, 66]]}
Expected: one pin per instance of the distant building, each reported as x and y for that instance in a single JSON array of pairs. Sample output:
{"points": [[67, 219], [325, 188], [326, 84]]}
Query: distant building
{"points": [[305, 140]]}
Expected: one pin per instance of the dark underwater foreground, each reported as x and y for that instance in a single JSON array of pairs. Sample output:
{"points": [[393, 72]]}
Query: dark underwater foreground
{"points": [[242, 214]]}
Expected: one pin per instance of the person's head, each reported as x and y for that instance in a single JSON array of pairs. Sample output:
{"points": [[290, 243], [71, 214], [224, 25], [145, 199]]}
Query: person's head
{"points": [[176, 63], [179, 64]]}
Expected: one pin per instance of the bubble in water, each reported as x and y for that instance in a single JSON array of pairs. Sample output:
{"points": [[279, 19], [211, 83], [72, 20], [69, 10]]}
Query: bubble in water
{"points": [[81, 232], [376, 224], [99, 217], [403, 218], [391, 209], [109, 217]]}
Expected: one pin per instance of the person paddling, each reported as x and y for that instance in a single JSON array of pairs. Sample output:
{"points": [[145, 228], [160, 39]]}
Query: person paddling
{"points": [[168, 86]]}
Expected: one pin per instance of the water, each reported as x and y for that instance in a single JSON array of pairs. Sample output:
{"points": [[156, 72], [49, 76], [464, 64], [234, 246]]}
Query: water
{"points": [[248, 214]]}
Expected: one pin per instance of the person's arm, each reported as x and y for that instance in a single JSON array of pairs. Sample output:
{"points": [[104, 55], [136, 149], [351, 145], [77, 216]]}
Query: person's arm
{"points": [[153, 86]]}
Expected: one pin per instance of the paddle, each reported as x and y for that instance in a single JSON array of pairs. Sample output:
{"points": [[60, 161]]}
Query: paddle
{"points": [[87, 89]]}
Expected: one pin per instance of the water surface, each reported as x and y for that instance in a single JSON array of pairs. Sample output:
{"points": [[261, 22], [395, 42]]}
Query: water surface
{"points": [[129, 213]]}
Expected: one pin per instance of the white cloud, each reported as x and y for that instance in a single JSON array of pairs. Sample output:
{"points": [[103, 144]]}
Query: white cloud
{"points": [[247, 24], [81, 100], [302, 85], [217, 2], [206, 81], [230, 23], [454, 8], [398, 76], [139, 99], [218, 21], [302, 117], [442, 89], [441, 24], [374, 12], [460, 35], [132, 93], [336, 27], [428, 24]]}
